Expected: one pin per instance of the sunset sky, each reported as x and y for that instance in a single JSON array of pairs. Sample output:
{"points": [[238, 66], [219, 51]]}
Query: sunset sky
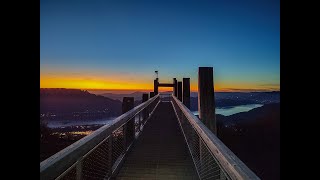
{"points": [[118, 44]]}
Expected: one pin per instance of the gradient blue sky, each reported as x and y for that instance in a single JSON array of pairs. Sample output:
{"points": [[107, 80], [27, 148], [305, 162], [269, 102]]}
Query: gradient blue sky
{"points": [[124, 42]]}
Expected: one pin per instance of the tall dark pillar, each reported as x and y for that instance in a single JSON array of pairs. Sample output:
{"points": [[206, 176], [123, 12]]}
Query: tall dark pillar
{"points": [[206, 100], [155, 86], [180, 90], [175, 87], [127, 105], [186, 92], [145, 97], [151, 94]]}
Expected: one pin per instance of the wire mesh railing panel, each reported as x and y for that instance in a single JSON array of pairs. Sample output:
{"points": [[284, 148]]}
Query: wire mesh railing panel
{"points": [[138, 124], [96, 165], [70, 175], [118, 143], [206, 164]]}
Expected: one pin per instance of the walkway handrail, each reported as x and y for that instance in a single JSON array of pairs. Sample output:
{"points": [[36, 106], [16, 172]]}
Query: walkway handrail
{"points": [[230, 163], [58, 163]]}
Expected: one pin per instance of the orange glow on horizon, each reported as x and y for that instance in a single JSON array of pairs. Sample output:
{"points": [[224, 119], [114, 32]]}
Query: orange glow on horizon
{"points": [[91, 83], [140, 85]]}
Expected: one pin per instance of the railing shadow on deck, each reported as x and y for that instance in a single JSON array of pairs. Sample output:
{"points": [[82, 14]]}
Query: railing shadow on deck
{"points": [[98, 155]]}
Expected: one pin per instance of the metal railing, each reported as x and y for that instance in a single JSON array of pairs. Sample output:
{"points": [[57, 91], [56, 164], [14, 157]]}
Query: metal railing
{"points": [[212, 159], [98, 155]]}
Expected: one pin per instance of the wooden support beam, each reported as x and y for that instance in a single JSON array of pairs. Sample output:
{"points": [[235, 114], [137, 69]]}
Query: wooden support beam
{"points": [[186, 92], [175, 87], [180, 90], [165, 85], [155, 86], [206, 101], [145, 97]]}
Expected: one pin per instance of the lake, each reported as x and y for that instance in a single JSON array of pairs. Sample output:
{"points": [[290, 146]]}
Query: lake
{"points": [[66, 123], [227, 111]]}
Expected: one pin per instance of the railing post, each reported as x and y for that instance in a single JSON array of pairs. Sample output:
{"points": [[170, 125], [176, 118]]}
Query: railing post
{"points": [[180, 90], [151, 94], [129, 130], [186, 92], [175, 87], [145, 97], [206, 101]]}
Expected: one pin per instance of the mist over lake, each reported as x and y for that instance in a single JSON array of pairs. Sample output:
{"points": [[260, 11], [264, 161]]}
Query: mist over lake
{"points": [[227, 111]]}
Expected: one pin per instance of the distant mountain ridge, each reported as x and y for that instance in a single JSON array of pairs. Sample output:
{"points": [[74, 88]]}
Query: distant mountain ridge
{"points": [[84, 104], [71, 101], [137, 95]]}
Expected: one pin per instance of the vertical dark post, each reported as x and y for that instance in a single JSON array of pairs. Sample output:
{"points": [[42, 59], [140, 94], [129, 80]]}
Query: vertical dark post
{"points": [[206, 101], [145, 111], [127, 105], [186, 92], [180, 90], [175, 87], [151, 94], [145, 97], [155, 86]]}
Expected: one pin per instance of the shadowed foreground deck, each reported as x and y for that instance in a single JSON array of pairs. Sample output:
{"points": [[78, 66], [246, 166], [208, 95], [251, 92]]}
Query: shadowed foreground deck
{"points": [[160, 152]]}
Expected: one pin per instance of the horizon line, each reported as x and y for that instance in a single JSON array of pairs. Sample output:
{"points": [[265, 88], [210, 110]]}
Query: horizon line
{"points": [[151, 90]]}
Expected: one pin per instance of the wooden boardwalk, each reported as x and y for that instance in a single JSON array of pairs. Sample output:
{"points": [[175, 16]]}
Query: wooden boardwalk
{"points": [[160, 152]]}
